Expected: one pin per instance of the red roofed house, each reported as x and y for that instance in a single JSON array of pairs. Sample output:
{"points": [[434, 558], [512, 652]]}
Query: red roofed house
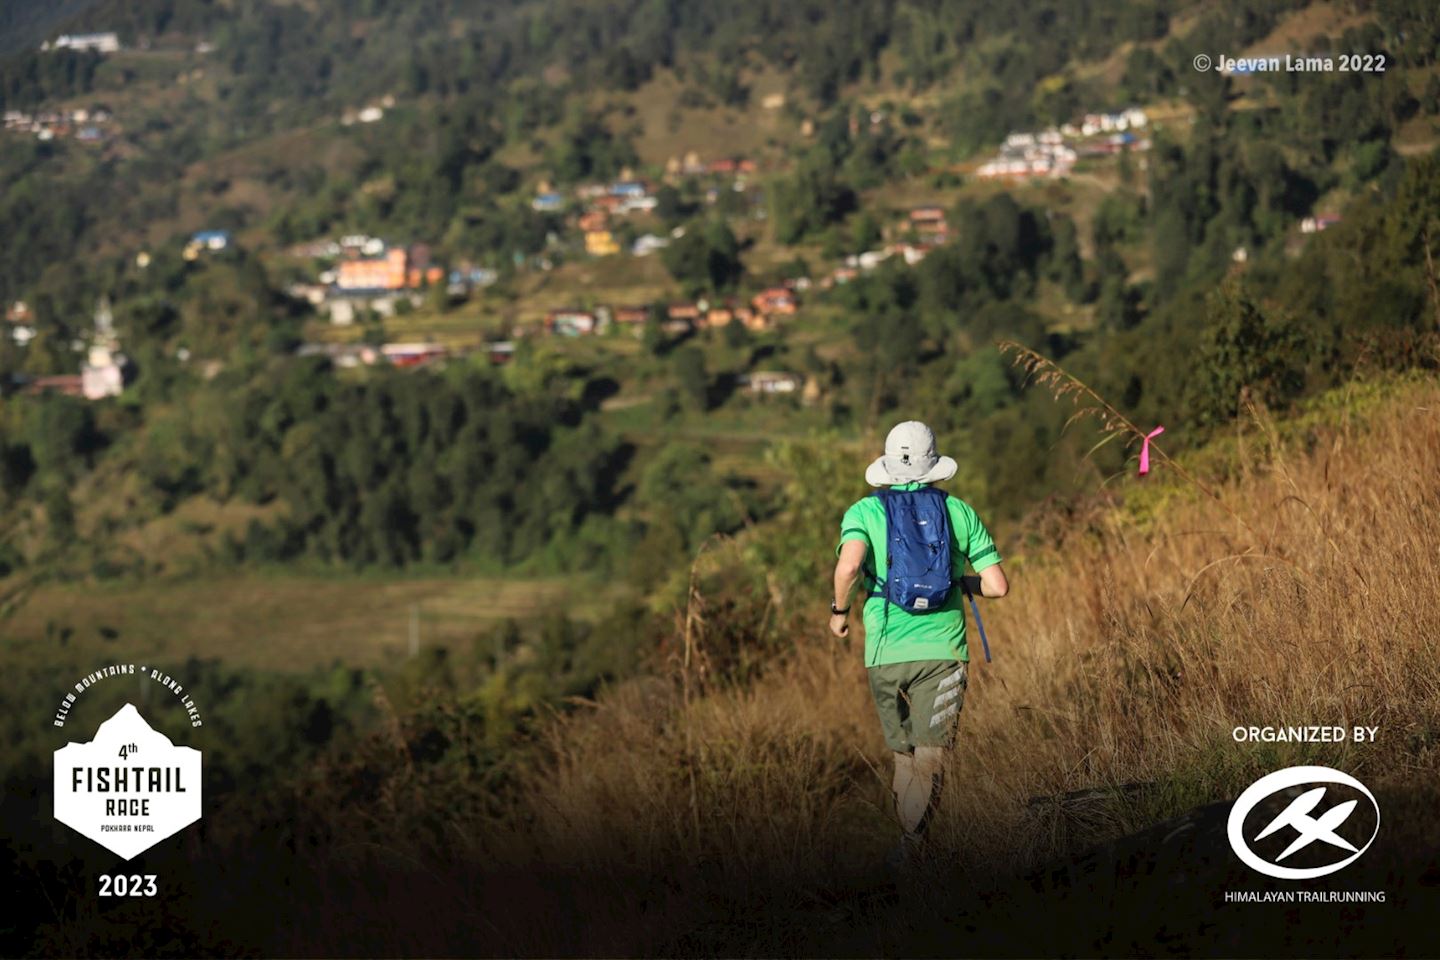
{"points": [[928, 220], [71, 385], [411, 354], [631, 315], [775, 300]]}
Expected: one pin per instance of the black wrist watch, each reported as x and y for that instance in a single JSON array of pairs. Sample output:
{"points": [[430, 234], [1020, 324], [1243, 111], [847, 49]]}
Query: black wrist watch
{"points": [[838, 612]]}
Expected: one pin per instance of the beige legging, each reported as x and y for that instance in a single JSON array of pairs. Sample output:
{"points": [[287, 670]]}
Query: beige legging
{"points": [[918, 778]]}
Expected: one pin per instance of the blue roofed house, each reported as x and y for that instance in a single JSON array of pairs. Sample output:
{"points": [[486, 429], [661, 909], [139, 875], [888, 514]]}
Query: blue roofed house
{"points": [[207, 241], [627, 188], [212, 239]]}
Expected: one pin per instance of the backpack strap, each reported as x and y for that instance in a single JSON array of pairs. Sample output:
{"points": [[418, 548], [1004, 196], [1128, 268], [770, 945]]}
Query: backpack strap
{"points": [[877, 586], [984, 640]]}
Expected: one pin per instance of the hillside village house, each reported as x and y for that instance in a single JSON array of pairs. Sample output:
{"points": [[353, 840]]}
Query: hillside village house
{"points": [[311, 293], [17, 314], [775, 300], [1318, 224], [928, 220], [632, 189], [868, 260], [601, 243], [99, 42], [343, 355], [912, 252], [103, 373], [570, 322], [411, 354], [396, 269], [358, 245], [717, 317], [371, 277], [595, 226], [1096, 123], [386, 272], [67, 384], [631, 316], [644, 204], [752, 320], [774, 382], [647, 244], [207, 241], [466, 278]]}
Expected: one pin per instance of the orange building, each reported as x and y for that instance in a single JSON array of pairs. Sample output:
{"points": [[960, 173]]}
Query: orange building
{"points": [[753, 320], [775, 300], [389, 272], [719, 317], [415, 277], [594, 220]]}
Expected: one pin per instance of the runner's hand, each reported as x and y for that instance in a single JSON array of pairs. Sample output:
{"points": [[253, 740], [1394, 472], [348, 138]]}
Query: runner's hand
{"points": [[840, 625]]}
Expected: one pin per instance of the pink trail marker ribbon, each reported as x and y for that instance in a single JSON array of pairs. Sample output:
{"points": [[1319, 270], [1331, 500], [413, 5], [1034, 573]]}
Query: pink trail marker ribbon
{"points": [[1145, 450]]}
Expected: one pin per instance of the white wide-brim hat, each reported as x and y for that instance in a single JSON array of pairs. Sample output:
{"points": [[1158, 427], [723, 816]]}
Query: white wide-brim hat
{"points": [[910, 457]]}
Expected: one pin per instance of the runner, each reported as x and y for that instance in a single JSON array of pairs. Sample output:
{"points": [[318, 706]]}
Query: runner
{"points": [[914, 618]]}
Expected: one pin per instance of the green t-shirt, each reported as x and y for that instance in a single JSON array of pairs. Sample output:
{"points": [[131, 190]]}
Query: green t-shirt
{"points": [[893, 634]]}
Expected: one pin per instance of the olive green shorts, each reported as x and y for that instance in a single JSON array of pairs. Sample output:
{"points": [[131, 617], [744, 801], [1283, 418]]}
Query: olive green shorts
{"points": [[919, 702]]}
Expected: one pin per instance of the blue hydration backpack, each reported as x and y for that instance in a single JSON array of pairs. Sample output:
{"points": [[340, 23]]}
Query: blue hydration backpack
{"points": [[917, 525]]}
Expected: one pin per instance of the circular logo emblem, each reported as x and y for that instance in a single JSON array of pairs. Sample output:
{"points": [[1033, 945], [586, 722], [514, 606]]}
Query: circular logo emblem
{"points": [[1319, 820]]}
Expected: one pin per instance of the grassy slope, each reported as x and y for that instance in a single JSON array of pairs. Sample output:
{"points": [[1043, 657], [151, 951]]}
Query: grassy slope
{"points": [[1125, 655]]}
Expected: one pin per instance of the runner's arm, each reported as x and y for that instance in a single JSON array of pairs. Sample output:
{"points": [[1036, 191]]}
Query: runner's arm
{"points": [[847, 570], [990, 583]]}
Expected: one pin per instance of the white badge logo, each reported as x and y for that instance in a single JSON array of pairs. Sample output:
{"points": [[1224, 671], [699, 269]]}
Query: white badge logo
{"points": [[129, 788], [1299, 822]]}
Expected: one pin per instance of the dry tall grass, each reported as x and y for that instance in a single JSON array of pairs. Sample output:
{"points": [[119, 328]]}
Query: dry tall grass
{"points": [[1125, 655], [716, 809]]}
